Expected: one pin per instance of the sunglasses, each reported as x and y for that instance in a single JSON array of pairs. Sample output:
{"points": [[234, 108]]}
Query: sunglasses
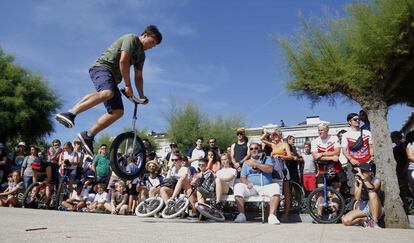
{"points": [[355, 119], [239, 133], [255, 148]]}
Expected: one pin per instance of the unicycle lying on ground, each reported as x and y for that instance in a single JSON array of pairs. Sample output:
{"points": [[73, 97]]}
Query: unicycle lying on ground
{"points": [[325, 204], [149, 207], [127, 153], [206, 186]]}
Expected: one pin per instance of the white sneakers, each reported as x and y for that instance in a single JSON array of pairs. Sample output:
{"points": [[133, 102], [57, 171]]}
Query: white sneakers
{"points": [[241, 218], [273, 220]]}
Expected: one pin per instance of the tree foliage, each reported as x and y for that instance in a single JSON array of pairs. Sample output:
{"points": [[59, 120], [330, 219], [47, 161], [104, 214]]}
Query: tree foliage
{"points": [[368, 56], [187, 123], [369, 49], [26, 103]]}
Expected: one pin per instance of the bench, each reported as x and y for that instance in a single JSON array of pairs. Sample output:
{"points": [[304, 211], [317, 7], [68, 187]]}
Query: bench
{"points": [[254, 199]]}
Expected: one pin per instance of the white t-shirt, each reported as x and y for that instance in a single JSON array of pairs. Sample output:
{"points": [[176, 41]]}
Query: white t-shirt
{"points": [[308, 164], [226, 172], [100, 198], [196, 154], [350, 137], [183, 171], [154, 182], [82, 196], [70, 157], [329, 144]]}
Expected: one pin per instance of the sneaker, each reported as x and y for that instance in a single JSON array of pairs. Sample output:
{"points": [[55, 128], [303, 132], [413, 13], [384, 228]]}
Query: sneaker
{"points": [[273, 220], [67, 119], [241, 218], [61, 208], [87, 142]]}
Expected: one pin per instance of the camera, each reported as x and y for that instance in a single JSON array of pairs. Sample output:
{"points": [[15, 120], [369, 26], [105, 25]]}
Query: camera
{"points": [[354, 170], [66, 162]]}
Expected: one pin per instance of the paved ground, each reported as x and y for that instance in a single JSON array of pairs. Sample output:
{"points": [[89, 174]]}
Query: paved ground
{"points": [[86, 227]]}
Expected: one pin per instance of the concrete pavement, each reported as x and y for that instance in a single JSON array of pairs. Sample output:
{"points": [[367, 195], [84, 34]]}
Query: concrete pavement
{"points": [[87, 227]]}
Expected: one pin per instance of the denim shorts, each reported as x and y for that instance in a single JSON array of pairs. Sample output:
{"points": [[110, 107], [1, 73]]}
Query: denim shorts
{"points": [[103, 79]]}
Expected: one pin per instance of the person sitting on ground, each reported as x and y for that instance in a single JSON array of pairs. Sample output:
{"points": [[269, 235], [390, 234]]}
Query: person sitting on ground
{"points": [[225, 178], [119, 200], [10, 196], [98, 204], [77, 198], [255, 177], [367, 192], [213, 161], [149, 183]]}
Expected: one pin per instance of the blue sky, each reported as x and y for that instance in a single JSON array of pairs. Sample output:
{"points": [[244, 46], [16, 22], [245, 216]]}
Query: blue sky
{"points": [[221, 55]]}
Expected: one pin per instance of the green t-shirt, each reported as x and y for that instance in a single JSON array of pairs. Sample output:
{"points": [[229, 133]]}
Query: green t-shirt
{"points": [[101, 163], [110, 58]]}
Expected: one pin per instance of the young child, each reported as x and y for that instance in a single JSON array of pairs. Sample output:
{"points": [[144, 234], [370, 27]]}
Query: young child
{"points": [[77, 199], [98, 204], [119, 200], [9, 196]]}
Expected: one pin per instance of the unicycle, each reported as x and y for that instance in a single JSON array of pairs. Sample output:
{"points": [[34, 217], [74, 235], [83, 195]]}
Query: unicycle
{"points": [[325, 204], [149, 207], [210, 211], [127, 153]]}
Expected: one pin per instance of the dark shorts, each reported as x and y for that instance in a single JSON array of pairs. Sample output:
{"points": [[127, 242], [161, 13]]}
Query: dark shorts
{"points": [[133, 190], [103, 79]]}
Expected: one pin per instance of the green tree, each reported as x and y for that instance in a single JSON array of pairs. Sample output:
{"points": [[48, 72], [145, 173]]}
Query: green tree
{"points": [[367, 56], [187, 123], [26, 103]]}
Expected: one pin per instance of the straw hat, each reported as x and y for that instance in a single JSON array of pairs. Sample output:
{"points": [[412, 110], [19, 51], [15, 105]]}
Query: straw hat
{"points": [[155, 162]]}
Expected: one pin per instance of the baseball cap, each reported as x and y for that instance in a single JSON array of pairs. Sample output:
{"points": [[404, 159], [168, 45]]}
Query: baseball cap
{"points": [[22, 144], [173, 145], [365, 167], [241, 129]]}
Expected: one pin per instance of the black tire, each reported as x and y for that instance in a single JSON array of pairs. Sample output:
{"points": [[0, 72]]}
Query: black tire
{"points": [[127, 156], [31, 200], [298, 194], [175, 209], [328, 216], [210, 212], [58, 195]]}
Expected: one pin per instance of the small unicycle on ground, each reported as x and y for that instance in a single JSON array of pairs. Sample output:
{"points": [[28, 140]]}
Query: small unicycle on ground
{"points": [[149, 207], [175, 207], [127, 153], [210, 211], [325, 204]]}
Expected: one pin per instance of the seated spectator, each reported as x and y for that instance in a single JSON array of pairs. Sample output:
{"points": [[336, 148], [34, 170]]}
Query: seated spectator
{"points": [[367, 192], [167, 160], [176, 173], [10, 196], [101, 165], [255, 176], [119, 200], [225, 178], [409, 145], [98, 204], [213, 161], [77, 199], [42, 173], [149, 183]]}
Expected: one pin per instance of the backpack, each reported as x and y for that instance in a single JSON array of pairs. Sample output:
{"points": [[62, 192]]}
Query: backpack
{"points": [[206, 184], [37, 164]]}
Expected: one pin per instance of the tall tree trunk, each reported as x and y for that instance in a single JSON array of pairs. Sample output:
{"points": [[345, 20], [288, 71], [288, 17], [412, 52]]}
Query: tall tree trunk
{"points": [[395, 216]]}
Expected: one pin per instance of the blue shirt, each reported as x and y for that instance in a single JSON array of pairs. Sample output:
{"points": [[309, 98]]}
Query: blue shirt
{"points": [[253, 175]]}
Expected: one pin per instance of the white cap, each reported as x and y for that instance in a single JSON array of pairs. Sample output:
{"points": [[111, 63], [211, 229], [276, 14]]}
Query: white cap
{"points": [[22, 144]]}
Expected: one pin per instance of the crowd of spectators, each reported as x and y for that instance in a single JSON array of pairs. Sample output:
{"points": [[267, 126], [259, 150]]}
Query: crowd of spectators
{"points": [[94, 188]]}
